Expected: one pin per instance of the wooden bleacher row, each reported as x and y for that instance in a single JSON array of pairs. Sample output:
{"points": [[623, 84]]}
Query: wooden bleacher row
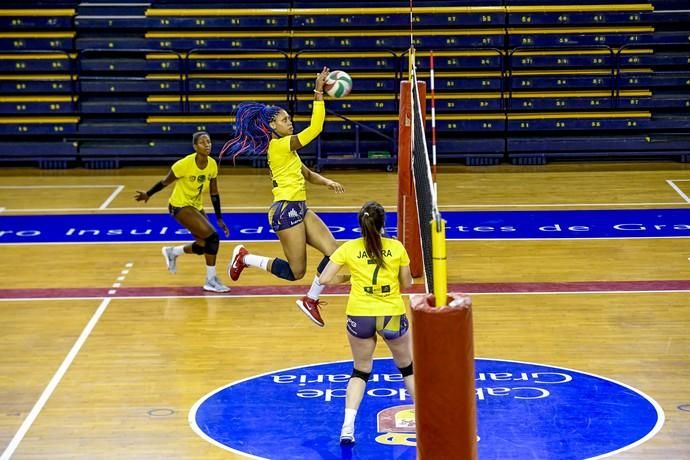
{"points": [[375, 103], [460, 122], [329, 18], [366, 82], [458, 92], [347, 40], [223, 61], [399, 17]]}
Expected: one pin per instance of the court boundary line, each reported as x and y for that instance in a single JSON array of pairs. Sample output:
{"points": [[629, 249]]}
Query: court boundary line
{"points": [[262, 209], [54, 381], [112, 196], [672, 183], [29, 187], [290, 295], [582, 238]]}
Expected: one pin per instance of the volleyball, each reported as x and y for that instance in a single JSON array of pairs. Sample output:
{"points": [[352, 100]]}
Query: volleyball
{"points": [[338, 84]]}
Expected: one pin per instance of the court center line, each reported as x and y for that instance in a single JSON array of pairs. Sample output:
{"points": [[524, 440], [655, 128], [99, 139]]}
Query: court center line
{"points": [[112, 196], [48, 391], [678, 190]]}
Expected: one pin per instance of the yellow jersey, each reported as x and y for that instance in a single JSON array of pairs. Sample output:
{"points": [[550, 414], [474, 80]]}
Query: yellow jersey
{"points": [[286, 165], [375, 290], [191, 181], [286, 171]]}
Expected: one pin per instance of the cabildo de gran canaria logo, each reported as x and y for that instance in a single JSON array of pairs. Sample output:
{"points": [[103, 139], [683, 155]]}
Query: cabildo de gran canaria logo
{"points": [[525, 410]]}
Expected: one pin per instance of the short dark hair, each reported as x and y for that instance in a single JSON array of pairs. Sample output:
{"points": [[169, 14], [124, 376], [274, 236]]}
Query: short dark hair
{"points": [[197, 135]]}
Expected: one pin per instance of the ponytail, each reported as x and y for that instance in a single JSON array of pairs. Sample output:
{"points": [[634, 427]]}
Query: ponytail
{"points": [[371, 220], [252, 130]]}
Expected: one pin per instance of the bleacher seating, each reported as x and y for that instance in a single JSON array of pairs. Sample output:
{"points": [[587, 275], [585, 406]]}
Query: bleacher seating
{"points": [[127, 81], [37, 85]]}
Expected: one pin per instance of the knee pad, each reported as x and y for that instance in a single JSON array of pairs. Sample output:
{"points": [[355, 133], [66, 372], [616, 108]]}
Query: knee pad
{"points": [[197, 249], [212, 244], [360, 375], [322, 264], [282, 269], [406, 371]]}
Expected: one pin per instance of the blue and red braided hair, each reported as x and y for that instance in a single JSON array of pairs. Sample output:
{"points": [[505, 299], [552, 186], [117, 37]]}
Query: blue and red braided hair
{"points": [[253, 130]]}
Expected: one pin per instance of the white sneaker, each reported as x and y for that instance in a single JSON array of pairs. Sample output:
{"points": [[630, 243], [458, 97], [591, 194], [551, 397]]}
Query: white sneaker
{"points": [[170, 258], [214, 285], [347, 435]]}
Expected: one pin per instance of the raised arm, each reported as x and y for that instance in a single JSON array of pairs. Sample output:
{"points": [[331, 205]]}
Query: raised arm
{"points": [[318, 115]]}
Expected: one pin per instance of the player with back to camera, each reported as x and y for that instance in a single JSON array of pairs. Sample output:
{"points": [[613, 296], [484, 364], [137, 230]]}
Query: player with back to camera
{"points": [[192, 175], [379, 268], [264, 129]]}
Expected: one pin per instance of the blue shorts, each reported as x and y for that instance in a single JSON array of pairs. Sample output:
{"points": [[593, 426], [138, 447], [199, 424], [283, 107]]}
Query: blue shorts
{"points": [[286, 214], [390, 327]]}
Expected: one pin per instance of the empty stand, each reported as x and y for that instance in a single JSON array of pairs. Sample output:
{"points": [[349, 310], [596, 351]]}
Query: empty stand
{"points": [[527, 81]]}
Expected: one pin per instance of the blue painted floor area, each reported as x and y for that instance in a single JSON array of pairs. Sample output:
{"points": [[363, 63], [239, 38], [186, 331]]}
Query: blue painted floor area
{"points": [[581, 224], [525, 411]]}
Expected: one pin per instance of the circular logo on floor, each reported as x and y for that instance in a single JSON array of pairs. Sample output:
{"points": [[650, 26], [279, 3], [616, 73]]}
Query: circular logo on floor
{"points": [[546, 411]]}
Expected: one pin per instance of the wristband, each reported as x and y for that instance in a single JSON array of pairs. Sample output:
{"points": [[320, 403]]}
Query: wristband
{"points": [[157, 187], [215, 200], [318, 92]]}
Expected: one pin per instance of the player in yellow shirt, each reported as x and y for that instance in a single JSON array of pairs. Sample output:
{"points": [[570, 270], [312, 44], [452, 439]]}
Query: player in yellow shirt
{"points": [[192, 175], [379, 268], [262, 129]]}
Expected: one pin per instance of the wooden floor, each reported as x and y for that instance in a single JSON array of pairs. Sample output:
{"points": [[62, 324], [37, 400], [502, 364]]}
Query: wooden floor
{"points": [[146, 361]]}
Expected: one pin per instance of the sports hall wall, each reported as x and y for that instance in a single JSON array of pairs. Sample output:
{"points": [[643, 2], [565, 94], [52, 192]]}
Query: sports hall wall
{"points": [[101, 84]]}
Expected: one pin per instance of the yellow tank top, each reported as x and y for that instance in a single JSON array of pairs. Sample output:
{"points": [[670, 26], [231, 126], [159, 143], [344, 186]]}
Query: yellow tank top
{"points": [[286, 171]]}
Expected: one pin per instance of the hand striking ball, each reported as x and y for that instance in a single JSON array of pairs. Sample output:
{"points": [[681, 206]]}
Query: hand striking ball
{"points": [[338, 84]]}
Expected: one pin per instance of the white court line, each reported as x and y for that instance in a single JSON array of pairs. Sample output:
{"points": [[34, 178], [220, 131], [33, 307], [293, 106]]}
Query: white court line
{"points": [[572, 205], [36, 410], [677, 189], [67, 243], [2, 209], [252, 296], [165, 210], [356, 208], [29, 187], [112, 196]]}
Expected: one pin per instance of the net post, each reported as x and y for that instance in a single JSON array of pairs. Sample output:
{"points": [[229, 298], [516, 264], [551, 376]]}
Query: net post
{"points": [[408, 227], [445, 395]]}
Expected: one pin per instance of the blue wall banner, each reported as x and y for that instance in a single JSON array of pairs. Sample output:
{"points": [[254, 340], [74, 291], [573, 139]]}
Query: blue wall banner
{"points": [[525, 410], [581, 224]]}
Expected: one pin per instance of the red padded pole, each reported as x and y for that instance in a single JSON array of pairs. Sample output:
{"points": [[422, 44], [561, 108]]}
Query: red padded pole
{"points": [[445, 400], [408, 221]]}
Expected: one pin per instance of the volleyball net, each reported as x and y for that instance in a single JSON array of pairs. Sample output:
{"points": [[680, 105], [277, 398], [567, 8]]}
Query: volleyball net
{"points": [[420, 224], [442, 337]]}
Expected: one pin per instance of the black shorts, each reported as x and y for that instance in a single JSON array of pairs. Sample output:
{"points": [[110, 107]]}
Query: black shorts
{"points": [[389, 327], [173, 210], [286, 214]]}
